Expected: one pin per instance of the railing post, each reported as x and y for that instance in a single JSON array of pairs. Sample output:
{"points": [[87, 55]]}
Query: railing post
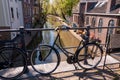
{"points": [[22, 37], [22, 33], [88, 33]]}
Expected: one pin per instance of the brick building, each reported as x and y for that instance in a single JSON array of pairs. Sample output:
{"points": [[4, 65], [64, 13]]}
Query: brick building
{"points": [[36, 12], [28, 12], [80, 10], [104, 14], [100, 13]]}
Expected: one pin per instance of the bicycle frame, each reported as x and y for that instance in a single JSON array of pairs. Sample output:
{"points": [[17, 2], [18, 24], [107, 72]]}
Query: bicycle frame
{"points": [[60, 46], [84, 41]]}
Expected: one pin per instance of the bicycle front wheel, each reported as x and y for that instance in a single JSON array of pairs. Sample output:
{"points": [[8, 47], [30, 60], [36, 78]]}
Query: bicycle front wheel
{"points": [[89, 56], [12, 62], [45, 59]]}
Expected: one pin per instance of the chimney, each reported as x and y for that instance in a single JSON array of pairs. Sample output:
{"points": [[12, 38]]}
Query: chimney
{"points": [[108, 6]]}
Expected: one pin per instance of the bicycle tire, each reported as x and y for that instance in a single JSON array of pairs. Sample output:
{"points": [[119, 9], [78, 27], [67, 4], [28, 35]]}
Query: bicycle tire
{"points": [[12, 63], [43, 55], [92, 57]]}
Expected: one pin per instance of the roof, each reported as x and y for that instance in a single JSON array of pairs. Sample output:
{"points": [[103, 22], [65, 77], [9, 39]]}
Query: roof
{"points": [[116, 11], [101, 7], [117, 1]]}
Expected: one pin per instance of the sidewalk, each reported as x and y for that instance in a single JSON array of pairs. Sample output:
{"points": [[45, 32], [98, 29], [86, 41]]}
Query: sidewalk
{"points": [[67, 71]]}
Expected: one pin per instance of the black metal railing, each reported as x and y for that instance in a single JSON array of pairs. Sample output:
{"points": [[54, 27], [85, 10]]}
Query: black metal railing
{"points": [[23, 30]]}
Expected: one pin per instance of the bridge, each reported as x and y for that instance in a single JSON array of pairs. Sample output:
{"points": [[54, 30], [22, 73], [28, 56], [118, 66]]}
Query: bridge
{"points": [[67, 71]]}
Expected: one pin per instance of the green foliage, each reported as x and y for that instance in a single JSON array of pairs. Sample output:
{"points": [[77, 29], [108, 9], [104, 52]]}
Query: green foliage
{"points": [[60, 7]]}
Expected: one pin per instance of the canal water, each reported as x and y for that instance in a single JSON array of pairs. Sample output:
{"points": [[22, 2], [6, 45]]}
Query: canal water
{"points": [[48, 37]]}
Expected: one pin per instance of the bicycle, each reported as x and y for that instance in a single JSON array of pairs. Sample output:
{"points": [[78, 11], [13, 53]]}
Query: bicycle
{"points": [[86, 52], [12, 60]]}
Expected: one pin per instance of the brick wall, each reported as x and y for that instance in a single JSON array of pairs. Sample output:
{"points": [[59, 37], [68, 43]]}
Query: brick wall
{"points": [[106, 20]]}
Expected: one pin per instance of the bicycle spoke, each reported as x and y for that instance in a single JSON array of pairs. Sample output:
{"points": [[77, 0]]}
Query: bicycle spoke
{"points": [[45, 59], [91, 56]]}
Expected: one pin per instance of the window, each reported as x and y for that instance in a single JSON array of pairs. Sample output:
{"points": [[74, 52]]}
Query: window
{"points": [[30, 14], [16, 1], [17, 13], [118, 29], [100, 24], [93, 22], [29, 1], [12, 12], [87, 20], [119, 22], [110, 24]]}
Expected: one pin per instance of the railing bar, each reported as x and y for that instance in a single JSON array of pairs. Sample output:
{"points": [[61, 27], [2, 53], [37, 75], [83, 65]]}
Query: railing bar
{"points": [[47, 29], [9, 30]]}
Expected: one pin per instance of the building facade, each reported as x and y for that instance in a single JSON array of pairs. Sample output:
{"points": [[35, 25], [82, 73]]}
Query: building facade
{"points": [[36, 13], [104, 14], [80, 10], [100, 13], [27, 12], [11, 15]]}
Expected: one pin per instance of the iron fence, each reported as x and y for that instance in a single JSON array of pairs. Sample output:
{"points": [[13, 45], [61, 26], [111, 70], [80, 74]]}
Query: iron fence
{"points": [[109, 40]]}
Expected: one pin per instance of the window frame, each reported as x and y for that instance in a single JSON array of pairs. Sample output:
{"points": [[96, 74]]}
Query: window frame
{"points": [[93, 22], [111, 23], [100, 25], [12, 12], [17, 13], [87, 20]]}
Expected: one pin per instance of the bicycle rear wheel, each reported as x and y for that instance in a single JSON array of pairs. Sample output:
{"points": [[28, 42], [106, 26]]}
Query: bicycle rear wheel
{"points": [[45, 59], [89, 56], [12, 62]]}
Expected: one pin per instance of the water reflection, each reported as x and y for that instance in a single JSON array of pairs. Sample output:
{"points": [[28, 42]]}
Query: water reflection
{"points": [[48, 36], [67, 40]]}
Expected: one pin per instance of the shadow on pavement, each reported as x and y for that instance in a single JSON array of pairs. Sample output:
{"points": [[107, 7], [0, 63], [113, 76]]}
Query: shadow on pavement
{"points": [[94, 74], [97, 74]]}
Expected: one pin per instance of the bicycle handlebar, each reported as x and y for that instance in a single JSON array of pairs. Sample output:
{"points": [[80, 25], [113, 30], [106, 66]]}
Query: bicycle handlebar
{"points": [[63, 27], [85, 36]]}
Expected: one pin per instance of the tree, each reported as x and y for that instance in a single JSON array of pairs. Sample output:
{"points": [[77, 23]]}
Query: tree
{"points": [[60, 8], [64, 7]]}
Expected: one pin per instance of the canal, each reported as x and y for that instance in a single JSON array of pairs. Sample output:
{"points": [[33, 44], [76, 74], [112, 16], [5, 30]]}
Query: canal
{"points": [[48, 37]]}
